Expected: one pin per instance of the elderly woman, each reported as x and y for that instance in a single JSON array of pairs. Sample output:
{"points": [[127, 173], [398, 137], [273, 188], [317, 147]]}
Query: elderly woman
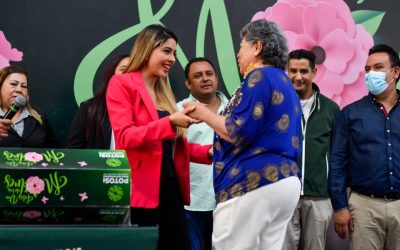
{"points": [[29, 127], [256, 146]]}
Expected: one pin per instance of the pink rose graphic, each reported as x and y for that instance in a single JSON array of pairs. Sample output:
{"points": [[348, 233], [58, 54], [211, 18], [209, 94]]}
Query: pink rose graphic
{"points": [[7, 54], [34, 185], [33, 157], [32, 214], [327, 28]]}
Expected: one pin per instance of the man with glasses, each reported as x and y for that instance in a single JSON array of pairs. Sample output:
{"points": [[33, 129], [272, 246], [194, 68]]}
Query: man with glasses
{"points": [[365, 157]]}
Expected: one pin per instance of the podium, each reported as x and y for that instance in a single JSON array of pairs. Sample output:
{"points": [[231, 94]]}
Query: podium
{"points": [[64, 187]]}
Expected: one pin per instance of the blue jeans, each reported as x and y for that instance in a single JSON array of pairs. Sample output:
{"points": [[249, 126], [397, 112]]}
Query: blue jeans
{"points": [[200, 225]]}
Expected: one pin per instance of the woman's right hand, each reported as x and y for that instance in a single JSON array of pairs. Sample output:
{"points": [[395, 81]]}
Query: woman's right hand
{"points": [[181, 118], [5, 125]]}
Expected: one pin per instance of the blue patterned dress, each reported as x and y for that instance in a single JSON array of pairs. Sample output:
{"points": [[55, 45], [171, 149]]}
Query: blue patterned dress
{"points": [[263, 119]]}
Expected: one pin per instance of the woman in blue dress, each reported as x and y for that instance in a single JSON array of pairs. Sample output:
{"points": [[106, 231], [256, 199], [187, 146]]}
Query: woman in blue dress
{"points": [[256, 146]]}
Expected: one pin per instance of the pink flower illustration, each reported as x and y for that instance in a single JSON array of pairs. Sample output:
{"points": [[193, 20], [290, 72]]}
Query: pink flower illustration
{"points": [[34, 185], [32, 214], [44, 199], [83, 196], [82, 163], [327, 28], [33, 157], [7, 53]]}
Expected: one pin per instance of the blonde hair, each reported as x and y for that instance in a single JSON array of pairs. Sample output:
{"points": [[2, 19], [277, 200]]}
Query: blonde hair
{"points": [[13, 69], [148, 39]]}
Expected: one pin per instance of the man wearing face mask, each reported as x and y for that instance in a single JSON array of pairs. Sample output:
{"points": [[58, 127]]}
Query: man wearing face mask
{"points": [[365, 157]]}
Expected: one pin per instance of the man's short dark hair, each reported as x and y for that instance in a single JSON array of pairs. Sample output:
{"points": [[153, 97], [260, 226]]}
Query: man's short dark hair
{"points": [[194, 60], [393, 55], [303, 54]]}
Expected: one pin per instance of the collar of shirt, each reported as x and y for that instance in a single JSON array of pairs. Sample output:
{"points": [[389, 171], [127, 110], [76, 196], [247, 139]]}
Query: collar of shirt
{"points": [[24, 114], [221, 97], [381, 107]]}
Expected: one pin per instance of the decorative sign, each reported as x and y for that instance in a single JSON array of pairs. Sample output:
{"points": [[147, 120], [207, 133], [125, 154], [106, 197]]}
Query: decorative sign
{"points": [[43, 184]]}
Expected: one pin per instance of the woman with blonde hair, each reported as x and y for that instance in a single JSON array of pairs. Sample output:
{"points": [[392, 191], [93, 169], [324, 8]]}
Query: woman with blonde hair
{"points": [[29, 127], [147, 124]]}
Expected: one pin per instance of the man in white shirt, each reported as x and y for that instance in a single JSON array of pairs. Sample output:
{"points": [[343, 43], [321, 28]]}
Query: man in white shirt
{"points": [[202, 82]]}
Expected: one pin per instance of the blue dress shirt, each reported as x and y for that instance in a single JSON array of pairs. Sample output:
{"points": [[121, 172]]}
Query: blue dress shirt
{"points": [[365, 151]]}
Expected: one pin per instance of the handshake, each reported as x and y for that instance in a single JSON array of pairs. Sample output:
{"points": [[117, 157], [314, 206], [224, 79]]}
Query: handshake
{"points": [[193, 113]]}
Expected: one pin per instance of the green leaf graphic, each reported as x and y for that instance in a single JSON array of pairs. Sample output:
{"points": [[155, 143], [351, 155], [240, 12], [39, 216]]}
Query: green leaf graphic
{"points": [[370, 19], [110, 218], [216, 11], [84, 76], [112, 162], [115, 193]]}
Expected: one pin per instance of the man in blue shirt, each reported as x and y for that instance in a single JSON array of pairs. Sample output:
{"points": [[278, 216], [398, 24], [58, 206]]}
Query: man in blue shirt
{"points": [[365, 157]]}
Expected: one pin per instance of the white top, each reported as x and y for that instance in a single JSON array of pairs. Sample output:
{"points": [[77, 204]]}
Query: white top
{"points": [[112, 141], [202, 196], [306, 106]]}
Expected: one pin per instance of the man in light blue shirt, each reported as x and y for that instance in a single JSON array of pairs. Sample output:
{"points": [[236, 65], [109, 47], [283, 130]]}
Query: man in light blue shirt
{"points": [[202, 82]]}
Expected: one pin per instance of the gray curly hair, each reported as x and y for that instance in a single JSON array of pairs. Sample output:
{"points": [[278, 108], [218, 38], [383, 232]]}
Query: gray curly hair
{"points": [[274, 46]]}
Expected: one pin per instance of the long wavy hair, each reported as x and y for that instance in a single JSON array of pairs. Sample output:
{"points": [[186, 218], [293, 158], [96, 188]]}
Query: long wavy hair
{"points": [[12, 69], [148, 39], [97, 111]]}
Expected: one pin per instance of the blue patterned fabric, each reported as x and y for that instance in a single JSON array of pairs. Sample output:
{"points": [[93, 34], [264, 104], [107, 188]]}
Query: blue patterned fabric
{"points": [[263, 118]]}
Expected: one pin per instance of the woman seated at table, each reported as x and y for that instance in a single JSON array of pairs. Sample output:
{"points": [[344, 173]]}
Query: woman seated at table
{"points": [[29, 127]]}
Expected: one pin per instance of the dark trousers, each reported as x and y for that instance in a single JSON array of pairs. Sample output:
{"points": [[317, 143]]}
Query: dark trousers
{"points": [[169, 216], [200, 225]]}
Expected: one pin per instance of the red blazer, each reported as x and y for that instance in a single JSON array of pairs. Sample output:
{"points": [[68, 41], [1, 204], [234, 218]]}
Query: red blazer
{"points": [[139, 131]]}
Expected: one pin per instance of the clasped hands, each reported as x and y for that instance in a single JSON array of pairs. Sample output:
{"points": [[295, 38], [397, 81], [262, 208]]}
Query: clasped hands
{"points": [[192, 114]]}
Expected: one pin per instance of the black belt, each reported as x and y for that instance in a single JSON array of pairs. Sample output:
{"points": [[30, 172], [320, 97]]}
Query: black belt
{"points": [[387, 196]]}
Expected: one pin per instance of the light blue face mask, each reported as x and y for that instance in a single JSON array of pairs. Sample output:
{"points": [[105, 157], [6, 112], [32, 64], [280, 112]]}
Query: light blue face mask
{"points": [[376, 81]]}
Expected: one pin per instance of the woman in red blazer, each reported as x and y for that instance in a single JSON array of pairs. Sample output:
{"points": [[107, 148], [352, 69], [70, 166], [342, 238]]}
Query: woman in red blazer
{"points": [[148, 126]]}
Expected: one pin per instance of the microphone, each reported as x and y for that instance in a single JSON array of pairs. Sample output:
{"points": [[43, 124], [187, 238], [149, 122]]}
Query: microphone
{"points": [[18, 103]]}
